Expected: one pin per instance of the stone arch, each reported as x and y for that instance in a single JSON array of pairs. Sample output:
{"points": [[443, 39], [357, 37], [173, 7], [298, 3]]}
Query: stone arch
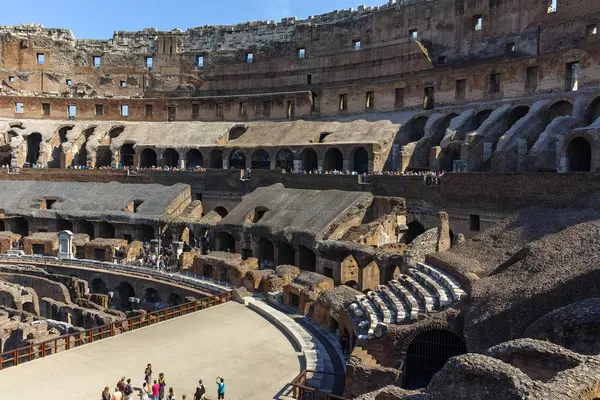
{"points": [[334, 160], [426, 350], [284, 160], [237, 159], [450, 154], [170, 158], [415, 129], [480, 117], [33, 147], [236, 132], [151, 296], [106, 230], [87, 228], [561, 108], [174, 300], [369, 277], [592, 113], [115, 132], [579, 155], [146, 233], [266, 251], [360, 160], [226, 242], [215, 159], [97, 285], [19, 225], [103, 157], [310, 160], [286, 255], [127, 154], [222, 211], [2, 225], [308, 259], [63, 225], [516, 114], [148, 158], [193, 159], [415, 228], [260, 159], [441, 129], [349, 271], [124, 292]]}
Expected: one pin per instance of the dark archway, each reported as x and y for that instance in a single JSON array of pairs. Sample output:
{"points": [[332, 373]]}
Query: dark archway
{"points": [[579, 155], [480, 117], [334, 160], [148, 158], [593, 111], [216, 159], [151, 296], [98, 286], [260, 160], [2, 226], [237, 159], [106, 230], [125, 291], [414, 229], [170, 158], [33, 147], [28, 307], [308, 259], [561, 108], [266, 251], [63, 225], [226, 242], [115, 132], [284, 160], [19, 226], [174, 300], [516, 114], [222, 211], [449, 155], [285, 254], [236, 132], [126, 154], [310, 160], [193, 159], [361, 160], [103, 157], [441, 129], [87, 228], [146, 233], [427, 354], [416, 129]]}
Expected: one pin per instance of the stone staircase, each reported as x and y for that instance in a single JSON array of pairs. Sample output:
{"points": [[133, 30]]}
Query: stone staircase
{"points": [[421, 290], [364, 356]]}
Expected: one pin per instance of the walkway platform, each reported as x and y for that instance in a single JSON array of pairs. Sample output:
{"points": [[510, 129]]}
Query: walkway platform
{"points": [[256, 359]]}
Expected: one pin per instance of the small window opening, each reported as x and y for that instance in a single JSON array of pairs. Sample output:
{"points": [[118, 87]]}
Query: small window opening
{"points": [[19, 108], [592, 31], [149, 110], [124, 110], [195, 111], [510, 47], [266, 108], [99, 109], [531, 77], [474, 223], [41, 58], [249, 58], [343, 102], [291, 109], [46, 108], [148, 61], [219, 110], [200, 62], [495, 81], [243, 108], [399, 98], [96, 60], [72, 110], [413, 33], [11, 79], [356, 44], [552, 6], [322, 136], [308, 79], [572, 79], [69, 82], [461, 88], [48, 203], [123, 83], [136, 205], [369, 99], [301, 52], [477, 23]]}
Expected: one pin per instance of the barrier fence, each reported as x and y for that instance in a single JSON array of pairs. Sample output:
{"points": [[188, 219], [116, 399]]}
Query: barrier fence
{"points": [[301, 391], [66, 342]]}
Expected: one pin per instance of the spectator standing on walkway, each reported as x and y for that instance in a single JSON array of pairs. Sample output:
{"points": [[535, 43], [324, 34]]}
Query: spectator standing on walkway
{"points": [[161, 384], [155, 390], [148, 376], [121, 384], [117, 395], [220, 388], [171, 395], [200, 391], [106, 393], [128, 390]]}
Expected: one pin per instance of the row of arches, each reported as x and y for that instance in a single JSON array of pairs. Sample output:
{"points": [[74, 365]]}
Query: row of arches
{"points": [[307, 159], [125, 291]]}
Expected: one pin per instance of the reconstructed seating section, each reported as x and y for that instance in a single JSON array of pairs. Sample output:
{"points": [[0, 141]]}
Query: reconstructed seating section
{"points": [[422, 289]]}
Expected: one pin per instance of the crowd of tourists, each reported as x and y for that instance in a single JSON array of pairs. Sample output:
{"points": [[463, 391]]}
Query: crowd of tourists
{"points": [[166, 260], [156, 389]]}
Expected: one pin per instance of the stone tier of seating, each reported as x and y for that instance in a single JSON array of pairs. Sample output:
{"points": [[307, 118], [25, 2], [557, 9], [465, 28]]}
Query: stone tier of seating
{"points": [[422, 289]]}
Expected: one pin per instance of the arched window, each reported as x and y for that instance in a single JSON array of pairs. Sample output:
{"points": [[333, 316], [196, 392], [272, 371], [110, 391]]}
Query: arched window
{"points": [[170, 158], [126, 154], [361, 160], [237, 159], [285, 160], [148, 158], [33, 147], [260, 160], [310, 160], [334, 160], [193, 159], [579, 155], [216, 159]]}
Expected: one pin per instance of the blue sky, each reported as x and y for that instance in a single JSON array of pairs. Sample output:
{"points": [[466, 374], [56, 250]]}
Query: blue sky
{"points": [[99, 19]]}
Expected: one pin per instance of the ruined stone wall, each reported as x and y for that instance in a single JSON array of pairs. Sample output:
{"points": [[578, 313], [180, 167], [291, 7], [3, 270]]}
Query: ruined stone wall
{"points": [[409, 45]]}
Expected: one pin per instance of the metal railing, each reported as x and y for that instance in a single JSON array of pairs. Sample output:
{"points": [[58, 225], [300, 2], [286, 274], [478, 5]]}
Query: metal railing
{"points": [[301, 391], [66, 342]]}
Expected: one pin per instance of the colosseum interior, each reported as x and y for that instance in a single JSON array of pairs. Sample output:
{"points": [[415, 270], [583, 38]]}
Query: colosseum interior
{"points": [[415, 186]]}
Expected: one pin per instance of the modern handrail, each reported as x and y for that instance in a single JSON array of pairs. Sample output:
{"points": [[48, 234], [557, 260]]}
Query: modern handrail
{"points": [[66, 342], [300, 389]]}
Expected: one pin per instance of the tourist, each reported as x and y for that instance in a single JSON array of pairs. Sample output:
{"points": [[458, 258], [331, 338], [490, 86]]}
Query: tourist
{"points": [[148, 375], [117, 395], [220, 388], [200, 390], [128, 390], [106, 393], [171, 395], [143, 391], [155, 390], [121, 384], [161, 386], [344, 344]]}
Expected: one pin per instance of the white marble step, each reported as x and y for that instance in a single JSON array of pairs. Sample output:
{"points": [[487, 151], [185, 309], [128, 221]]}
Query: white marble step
{"points": [[379, 303], [370, 313], [442, 295], [445, 279], [419, 291], [409, 299], [400, 308]]}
